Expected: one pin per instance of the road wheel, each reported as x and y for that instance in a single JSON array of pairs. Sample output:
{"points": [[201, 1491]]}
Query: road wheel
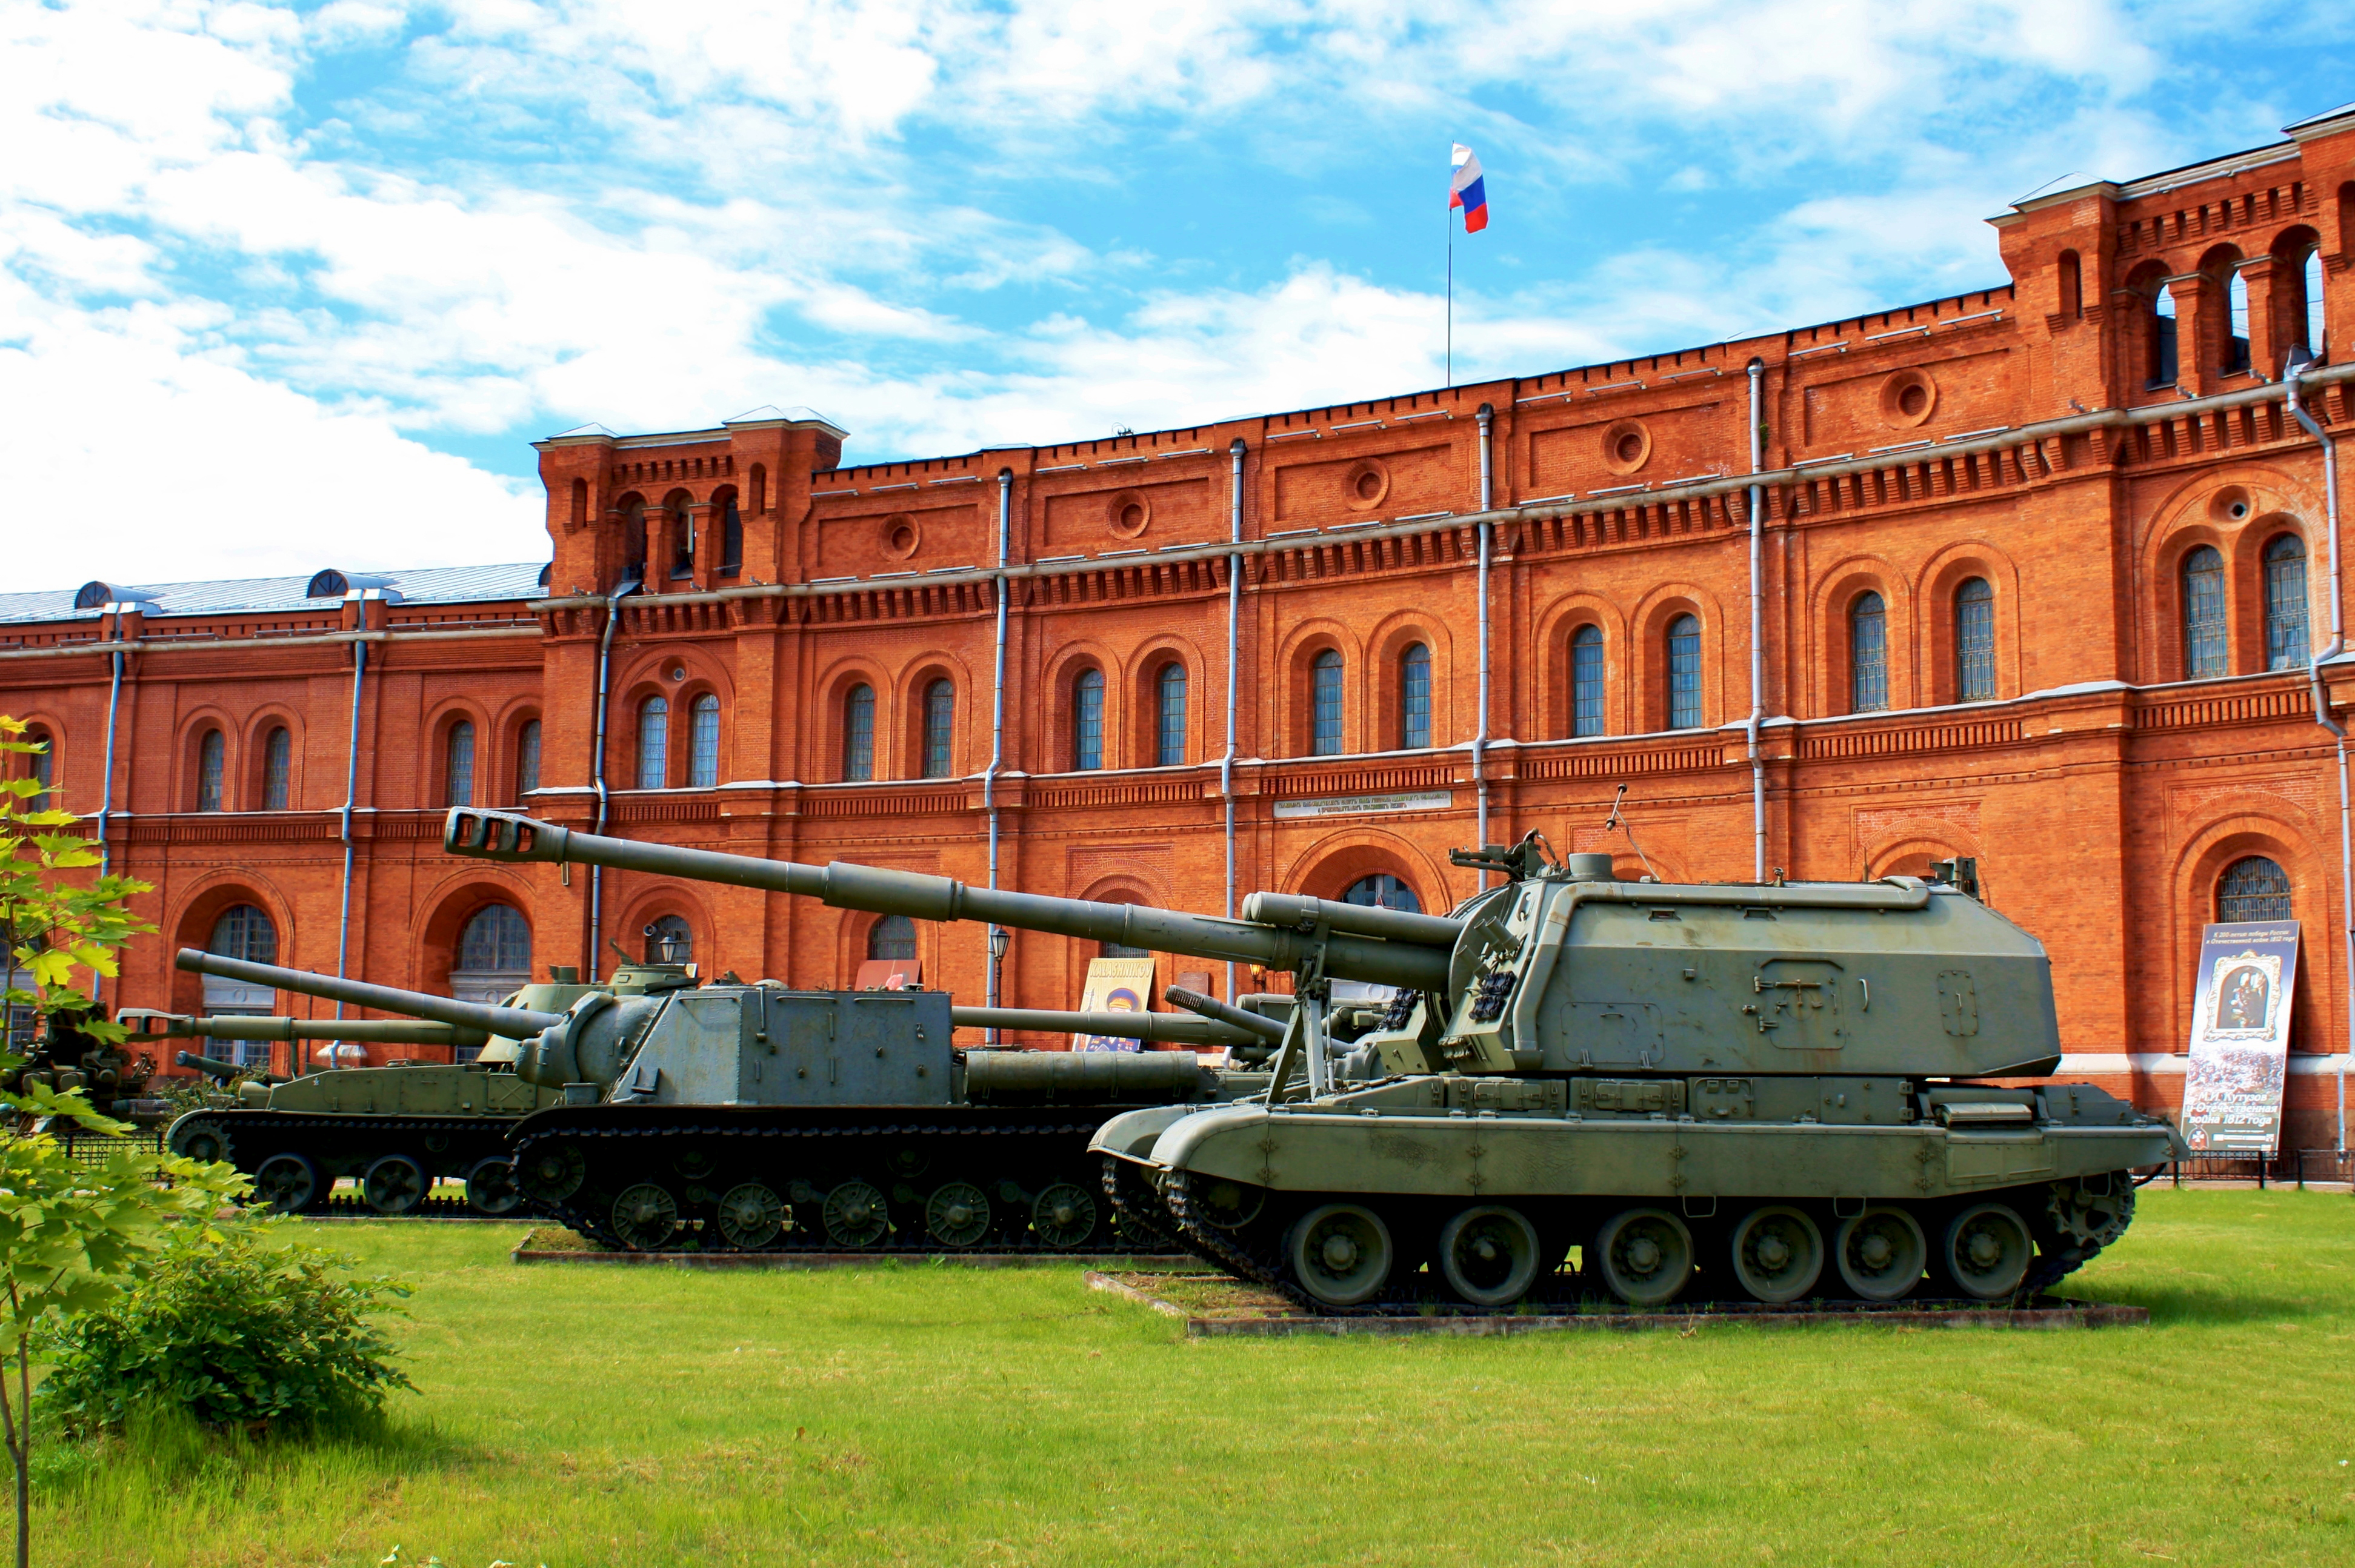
{"points": [[1778, 1252], [1987, 1251], [957, 1214], [1881, 1253], [491, 1187], [645, 1216], [1490, 1255], [1644, 1256], [751, 1216], [396, 1184], [1064, 1216], [1341, 1254], [551, 1172], [854, 1216], [289, 1183]]}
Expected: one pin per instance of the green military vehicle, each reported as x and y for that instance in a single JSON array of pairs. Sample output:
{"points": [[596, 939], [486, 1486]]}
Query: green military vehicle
{"points": [[394, 1129], [603, 1110], [1768, 1092]]}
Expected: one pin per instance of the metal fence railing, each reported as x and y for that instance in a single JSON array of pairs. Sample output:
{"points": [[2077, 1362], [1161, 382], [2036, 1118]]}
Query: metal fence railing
{"points": [[2291, 1166]]}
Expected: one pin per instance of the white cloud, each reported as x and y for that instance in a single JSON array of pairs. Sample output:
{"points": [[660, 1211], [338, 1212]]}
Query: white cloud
{"points": [[651, 214]]}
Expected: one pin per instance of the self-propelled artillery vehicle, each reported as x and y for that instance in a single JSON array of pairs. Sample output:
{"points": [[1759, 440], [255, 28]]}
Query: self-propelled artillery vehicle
{"points": [[1778, 1091], [621, 1111], [394, 1129]]}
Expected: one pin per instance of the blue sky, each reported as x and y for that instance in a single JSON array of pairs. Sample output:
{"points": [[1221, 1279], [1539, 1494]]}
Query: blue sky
{"points": [[287, 285]]}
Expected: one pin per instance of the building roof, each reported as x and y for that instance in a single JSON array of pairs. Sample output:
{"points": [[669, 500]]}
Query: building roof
{"points": [[423, 585]]}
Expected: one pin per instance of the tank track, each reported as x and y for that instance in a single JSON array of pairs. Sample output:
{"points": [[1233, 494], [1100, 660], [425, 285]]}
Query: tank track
{"points": [[1128, 1205], [249, 1137], [2059, 1254], [584, 1212]]}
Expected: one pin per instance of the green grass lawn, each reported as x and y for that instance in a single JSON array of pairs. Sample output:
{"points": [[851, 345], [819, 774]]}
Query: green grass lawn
{"points": [[579, 1415]]}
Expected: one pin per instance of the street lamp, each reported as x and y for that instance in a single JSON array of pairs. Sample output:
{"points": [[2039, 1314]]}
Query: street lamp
{"points": [[999, 936]]}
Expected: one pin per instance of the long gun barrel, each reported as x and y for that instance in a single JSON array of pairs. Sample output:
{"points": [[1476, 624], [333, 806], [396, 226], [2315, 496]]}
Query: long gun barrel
{"points": [[509, 836], [146, 1024], [513, 1023], [1249, 1024], [223, 1071], [1164, 1028]]}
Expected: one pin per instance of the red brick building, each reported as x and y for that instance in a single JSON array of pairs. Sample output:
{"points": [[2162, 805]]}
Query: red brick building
{"points": [[2040, 570]]}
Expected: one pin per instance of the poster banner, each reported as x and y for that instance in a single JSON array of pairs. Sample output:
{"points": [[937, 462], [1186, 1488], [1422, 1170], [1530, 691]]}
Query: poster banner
{"points": [[2239, 1037], [1115, 985]]}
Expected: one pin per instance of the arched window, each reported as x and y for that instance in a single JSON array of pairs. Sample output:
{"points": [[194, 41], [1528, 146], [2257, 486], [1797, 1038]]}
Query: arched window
{"points": [[212, 751], [458, 774], [654, 743], [703, 742], [526, 758], [497, 938], [2072, 287], [1325, 705], [2162, 337], [1868, 654], [1684, 673], [1382, 891], [858, 733], [1975, 641], [731, 541], [940, 729], [1414, 697], [633, 541], [242, 931], [2252, 889], [1087, 719], [1169, 726], [41, 768], [1586, 681], [682, 543], [2285, 638], [2236, 313], [669, 941], [277, 770], [2203, 614], [2310, 278], [892, 938]]}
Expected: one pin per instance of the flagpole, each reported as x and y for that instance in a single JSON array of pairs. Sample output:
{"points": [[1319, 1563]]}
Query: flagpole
{"points": [[1447, 222]]}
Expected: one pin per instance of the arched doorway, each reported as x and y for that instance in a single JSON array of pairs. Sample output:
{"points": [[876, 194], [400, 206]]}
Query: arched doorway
{"points": [[241, 931], [493, 959]]}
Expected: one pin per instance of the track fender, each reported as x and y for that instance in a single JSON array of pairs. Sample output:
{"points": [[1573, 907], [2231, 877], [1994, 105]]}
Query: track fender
{"points": [[1132, 1134]]}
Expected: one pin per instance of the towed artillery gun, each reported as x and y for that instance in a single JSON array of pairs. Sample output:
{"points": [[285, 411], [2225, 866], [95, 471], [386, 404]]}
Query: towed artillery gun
{"points": [[654, 1037], [1779, 1090]]}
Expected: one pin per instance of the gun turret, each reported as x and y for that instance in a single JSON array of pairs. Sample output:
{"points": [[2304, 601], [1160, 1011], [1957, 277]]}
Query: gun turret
{"points": [[1348, 941]]}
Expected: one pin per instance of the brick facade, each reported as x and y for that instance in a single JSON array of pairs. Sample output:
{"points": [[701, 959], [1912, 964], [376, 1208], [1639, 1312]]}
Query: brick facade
{"points": [[2012, 436]]}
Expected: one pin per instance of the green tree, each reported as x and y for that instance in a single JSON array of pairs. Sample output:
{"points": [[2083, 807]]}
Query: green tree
{"points": [[71, 1232]]}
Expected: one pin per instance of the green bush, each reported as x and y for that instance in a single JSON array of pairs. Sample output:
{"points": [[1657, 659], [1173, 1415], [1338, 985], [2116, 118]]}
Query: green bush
{"points": [[236, 1328]]}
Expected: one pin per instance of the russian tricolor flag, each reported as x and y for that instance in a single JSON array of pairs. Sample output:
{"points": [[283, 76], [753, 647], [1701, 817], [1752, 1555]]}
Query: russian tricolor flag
{"points": [[1466, 190]]}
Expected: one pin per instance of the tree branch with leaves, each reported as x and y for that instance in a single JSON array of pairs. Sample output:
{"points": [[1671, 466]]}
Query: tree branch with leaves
{"points": [[73, 1230]]}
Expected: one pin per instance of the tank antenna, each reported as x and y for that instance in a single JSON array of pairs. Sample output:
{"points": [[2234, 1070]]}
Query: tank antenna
{"points": [[1620, 822]]}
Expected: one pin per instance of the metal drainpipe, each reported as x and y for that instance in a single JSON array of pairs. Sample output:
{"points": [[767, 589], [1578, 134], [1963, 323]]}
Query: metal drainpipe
{"points": [[1234, 648], [1757, 622], [344, 817], [1480, 741], [596, 771], [998, 712], [106, 785], [2330, 649]]}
